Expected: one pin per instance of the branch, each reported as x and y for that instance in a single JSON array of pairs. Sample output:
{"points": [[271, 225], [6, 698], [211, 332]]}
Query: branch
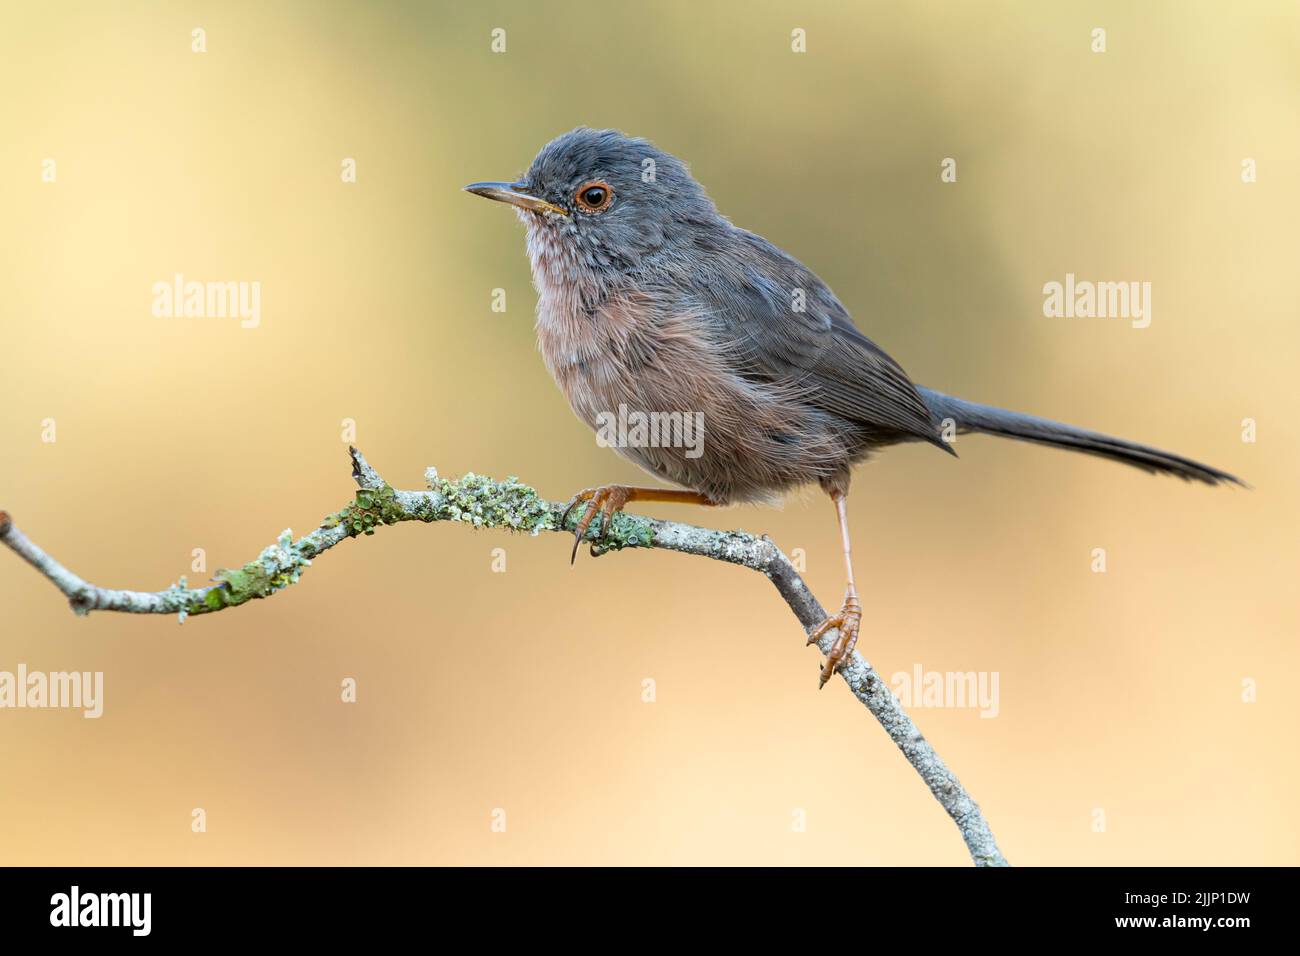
{"points": [[509, 504]]}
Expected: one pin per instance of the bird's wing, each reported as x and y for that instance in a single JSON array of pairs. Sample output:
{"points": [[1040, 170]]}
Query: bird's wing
{"points": [[788, 328]]}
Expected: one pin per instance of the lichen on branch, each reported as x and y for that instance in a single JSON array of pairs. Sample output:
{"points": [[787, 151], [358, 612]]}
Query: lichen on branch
{"points": [[483, 502]]}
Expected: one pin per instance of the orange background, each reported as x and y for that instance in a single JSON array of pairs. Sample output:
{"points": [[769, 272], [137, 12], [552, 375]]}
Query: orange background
{"points": [[522, 690]]}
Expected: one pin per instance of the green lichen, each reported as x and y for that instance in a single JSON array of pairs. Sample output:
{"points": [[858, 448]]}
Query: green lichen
{"points": [[474, 499], [626, 531], [183, 596], [278, 566], [370, 509], [486, 503]]}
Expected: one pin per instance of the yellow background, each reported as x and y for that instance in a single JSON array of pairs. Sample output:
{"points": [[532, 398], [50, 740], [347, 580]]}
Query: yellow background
{"points": [[522, 690]]}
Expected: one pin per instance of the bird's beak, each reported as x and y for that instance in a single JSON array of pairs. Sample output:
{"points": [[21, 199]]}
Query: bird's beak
{"points": [[514, 194]]}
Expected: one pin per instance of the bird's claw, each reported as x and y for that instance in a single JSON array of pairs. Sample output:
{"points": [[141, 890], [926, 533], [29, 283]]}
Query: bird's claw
{"points": [[848, 621], [605, 501]]}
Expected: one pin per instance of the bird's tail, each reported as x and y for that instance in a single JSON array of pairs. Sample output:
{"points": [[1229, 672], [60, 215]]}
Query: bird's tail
{"points": [[972, 417]]}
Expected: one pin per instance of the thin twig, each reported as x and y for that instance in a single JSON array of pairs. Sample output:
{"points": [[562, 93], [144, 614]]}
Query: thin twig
{"points": [[509, 504]]}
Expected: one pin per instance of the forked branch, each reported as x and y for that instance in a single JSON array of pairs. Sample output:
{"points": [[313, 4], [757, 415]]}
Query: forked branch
{"points": [[509, 504]]}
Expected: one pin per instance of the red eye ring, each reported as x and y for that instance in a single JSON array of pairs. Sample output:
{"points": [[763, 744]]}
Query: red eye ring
{"points": [[594, 196]]}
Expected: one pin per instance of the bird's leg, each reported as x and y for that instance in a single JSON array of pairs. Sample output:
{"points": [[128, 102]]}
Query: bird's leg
{"points": [[608, 500], [849, 618]]}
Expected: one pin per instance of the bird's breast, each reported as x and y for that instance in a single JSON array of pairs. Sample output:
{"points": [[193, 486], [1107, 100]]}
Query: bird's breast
{"points": [[591, 352], [656, 388], [646, 369]]}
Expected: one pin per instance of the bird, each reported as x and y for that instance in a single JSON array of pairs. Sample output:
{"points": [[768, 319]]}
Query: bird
{"points": [[650, 299]]}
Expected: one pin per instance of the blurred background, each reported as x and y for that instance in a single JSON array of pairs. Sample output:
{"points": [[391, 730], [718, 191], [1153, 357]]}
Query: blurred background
{"points": [[1122, 736]]}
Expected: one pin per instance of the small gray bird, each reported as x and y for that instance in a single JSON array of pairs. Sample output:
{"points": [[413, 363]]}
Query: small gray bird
{"points": [[651, 300]]}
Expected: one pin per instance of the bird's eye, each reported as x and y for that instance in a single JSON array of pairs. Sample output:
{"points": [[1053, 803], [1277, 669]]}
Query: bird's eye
{"points": [[595, 197]]}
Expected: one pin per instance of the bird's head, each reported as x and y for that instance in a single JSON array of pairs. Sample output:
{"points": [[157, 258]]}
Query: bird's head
{"points": [[600, 202]]}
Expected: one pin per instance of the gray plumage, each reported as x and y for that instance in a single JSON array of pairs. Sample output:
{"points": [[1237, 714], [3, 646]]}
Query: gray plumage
{"points": [[659, 303]]}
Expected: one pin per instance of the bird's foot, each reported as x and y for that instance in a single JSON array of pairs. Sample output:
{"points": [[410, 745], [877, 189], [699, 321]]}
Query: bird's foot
{"points": [[848, 620], [606, 501]]}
